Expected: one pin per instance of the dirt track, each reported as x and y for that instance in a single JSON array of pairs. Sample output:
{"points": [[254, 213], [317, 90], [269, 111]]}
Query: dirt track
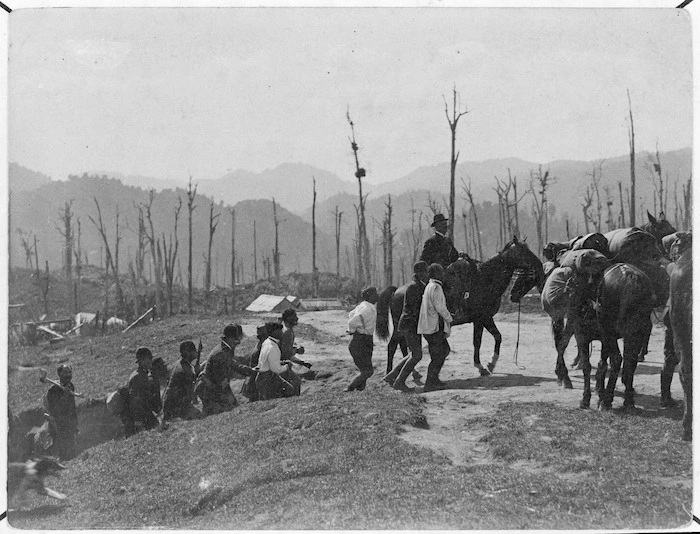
{"points": [[450, 413]]}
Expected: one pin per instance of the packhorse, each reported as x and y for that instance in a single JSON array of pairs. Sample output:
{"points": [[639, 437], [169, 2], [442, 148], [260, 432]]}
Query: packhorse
{"points": [[474, 300], [558, 307], [681, 317]]}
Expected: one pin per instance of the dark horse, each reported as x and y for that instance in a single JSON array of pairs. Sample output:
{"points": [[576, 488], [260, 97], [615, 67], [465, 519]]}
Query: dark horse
{"points": [[681, 317], [471, 302], [562, 325]]}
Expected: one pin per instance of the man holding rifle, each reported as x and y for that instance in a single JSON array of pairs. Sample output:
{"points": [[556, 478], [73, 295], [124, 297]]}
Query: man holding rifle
{"points": [[179, 393], [214, 384]]}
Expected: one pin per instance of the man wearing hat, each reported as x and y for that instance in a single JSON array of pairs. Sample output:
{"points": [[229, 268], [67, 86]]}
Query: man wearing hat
{"points": [[144, 394], [408, 324], [62, 415], [439, 248], [270, 366], [179, 393], [221, 365]]}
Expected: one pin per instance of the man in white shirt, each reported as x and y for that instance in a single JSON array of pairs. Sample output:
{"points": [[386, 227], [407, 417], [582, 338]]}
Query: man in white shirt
{"points": [[361, 324], [434, 324], [268, 384]]}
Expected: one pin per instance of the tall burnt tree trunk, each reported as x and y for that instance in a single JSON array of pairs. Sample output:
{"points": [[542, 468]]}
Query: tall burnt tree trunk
{"points": [[255, 254], [213, 223], [338, 222], [453, 120], [276, 251], [633, 194], [314, 271], [233, 258], [152, 242], [191, 193], [364, 272], [170, 253]]}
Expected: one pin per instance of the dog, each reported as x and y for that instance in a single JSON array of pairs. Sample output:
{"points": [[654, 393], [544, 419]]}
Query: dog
{"points": [[22, 477]]}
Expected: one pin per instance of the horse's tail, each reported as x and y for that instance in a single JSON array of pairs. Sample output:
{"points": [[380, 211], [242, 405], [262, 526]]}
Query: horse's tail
{"points": [[383, 305]]}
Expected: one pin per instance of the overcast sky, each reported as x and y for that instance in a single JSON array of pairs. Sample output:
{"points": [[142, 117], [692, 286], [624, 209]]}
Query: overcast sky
{"points": [[168, 92]]}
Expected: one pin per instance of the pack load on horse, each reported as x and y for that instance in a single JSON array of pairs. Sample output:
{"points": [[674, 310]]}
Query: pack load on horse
{"points": [[480, 303], [589, 294]]}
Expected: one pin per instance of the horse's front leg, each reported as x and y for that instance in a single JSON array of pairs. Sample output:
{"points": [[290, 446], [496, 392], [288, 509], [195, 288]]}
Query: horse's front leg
{"points": [[497, 338], [478, 334], [562, 329], [584, 358], [610, 349]]}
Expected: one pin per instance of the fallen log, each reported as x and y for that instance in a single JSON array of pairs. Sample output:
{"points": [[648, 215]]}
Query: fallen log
{"points": [[137, 321]]}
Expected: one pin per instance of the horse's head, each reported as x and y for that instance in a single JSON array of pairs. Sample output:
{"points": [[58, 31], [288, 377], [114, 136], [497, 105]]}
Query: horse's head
{"points": [[518, 255], [659, 228]]}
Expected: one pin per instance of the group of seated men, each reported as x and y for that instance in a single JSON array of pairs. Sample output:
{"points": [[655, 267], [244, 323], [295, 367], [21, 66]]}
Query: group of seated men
{"points": [[267, 371]]}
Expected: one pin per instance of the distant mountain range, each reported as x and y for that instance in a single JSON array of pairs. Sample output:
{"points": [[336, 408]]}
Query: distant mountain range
{"points": [[36, 201]]}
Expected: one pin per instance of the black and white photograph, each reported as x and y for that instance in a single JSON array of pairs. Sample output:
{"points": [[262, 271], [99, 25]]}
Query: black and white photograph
{"points": [[303, 266]]}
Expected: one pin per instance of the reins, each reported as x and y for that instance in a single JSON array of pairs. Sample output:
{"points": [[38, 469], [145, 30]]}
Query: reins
{"points": [[517, 343]]}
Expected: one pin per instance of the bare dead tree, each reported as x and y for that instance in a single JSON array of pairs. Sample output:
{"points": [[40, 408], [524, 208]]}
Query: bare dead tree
{"points": [[213, 223], [314, 271], [586, 206], [688, 204], [660, 188], [338, 222], [45, 289], [191, 194], [170, 253], [538, 187], [276, 251], [508, 209], [622, 205], [467, 188], [109, 258], [233, 258], [388, 235], [364, 275], [66, 230], [596, 175], [416, 235], [633, 180], [151, 240], [78, 268], [255, 254], [610, 220], [27, 247], [36, 256], [453, 119]]}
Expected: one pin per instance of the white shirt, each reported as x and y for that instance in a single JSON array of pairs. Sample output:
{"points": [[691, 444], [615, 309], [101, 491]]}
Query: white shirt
{"points": [[432, 307], [269, 359], [363, 318]]}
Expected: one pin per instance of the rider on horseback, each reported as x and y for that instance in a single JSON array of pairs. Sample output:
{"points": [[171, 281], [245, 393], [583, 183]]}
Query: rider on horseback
{"points": [[440, 249]]}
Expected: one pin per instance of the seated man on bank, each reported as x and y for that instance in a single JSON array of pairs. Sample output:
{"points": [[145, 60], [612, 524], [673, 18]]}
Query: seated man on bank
{"points": [[179, 393], [269, 384]]}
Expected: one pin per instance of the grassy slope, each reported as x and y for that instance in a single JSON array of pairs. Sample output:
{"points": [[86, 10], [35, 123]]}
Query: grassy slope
{"points": [[334, 460], [331, 459]]}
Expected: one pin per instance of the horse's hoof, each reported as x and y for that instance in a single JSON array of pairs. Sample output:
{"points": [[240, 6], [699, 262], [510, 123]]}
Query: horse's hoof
{"points": [[584, 405], [568, 384], [484, 372], [490, 367], [688, 435], [604, 406], [559, 381]]}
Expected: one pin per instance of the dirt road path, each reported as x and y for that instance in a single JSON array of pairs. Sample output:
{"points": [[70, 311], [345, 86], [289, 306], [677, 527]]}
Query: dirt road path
{"points": [[451, 413]]}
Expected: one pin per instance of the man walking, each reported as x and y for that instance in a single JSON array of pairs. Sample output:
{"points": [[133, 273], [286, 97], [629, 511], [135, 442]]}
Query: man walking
{"points": [[179, 393], [62, 415], [434, 324], [408, 325], [361, 325]]}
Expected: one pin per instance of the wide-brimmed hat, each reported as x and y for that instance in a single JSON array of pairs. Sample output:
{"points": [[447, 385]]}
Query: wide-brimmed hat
{"points": [[420, 267], [439, 217], [142, 353], [233, 330]]}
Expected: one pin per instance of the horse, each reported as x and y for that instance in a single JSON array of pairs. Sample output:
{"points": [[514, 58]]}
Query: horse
{"points": [[562, 328], [473, 301], [681, 317]]}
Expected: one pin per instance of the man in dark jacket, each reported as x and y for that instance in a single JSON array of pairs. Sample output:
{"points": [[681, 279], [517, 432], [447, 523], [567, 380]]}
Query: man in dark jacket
{"points": [[408, 323], [179, 392], [439, 248], [221, 365], [62, 415], [144, 393]]}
